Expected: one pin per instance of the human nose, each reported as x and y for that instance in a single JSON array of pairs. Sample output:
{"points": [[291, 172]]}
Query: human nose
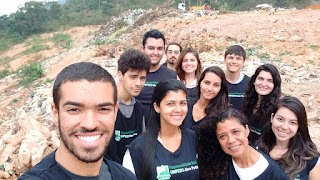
{"points": [[231, 139], [90, 121], [285, 125], [178, 108]]}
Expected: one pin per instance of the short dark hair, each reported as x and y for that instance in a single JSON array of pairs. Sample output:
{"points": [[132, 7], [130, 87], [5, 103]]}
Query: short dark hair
{"points": [[154, 33], [237, 50], [135, 60], [81, 71], [174, 43]]}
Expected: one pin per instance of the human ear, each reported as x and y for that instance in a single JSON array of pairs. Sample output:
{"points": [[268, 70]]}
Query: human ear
{"points": [[55, 114], [156, 107], [247, 130]]}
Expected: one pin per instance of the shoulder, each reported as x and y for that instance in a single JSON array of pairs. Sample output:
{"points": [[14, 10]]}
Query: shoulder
{"points": [[273, 171], [137, 143], [46, 169], [168, 71], [312, 163], [189, 134], [119, 172]]}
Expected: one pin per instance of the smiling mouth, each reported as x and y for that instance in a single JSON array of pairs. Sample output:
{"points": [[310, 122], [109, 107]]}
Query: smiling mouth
{"points": [[282, 133], [233, 148], [89, 139]]}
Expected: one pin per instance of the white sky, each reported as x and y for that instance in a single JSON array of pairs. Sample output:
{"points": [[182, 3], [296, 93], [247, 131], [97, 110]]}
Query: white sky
{"points": [[11, 6]]}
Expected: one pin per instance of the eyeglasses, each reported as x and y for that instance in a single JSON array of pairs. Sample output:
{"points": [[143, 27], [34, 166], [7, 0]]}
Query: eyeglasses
{"points": [[175, 52]]}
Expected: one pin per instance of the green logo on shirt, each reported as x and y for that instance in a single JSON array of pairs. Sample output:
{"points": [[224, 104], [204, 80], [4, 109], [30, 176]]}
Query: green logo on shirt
{"points": [[117, 135], [163, 172]]}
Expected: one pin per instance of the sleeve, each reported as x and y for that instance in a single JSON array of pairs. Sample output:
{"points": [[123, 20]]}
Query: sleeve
{"points": [[127, 161]]}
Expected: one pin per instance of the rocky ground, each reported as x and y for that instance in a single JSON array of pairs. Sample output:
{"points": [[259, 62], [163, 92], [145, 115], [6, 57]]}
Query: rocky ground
{"points": [[288, 39]]}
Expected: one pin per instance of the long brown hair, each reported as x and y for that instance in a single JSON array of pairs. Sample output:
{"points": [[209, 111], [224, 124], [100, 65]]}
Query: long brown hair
{"points": [[179, 69], [300, 147]]}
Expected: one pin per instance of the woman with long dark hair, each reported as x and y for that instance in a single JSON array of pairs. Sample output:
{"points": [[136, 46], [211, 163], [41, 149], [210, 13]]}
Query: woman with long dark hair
{"points": [[262, 95], [189, 70], [225, 154], [286, 139], [213, 97], [165, 151]]}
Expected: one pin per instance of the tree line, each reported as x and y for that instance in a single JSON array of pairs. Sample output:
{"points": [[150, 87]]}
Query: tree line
{"points": [[38, 17]]}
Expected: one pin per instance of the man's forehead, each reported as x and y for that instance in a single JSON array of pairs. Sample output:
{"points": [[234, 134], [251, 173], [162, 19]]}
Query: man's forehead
{"points": [[156, 42], [173, 47], [136, 71]]}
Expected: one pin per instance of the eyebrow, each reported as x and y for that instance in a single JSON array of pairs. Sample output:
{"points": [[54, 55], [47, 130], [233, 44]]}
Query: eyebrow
{"points": [[72, 103]]}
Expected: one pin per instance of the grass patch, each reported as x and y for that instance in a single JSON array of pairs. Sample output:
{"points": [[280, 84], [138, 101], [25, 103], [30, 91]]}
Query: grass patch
{"points": [[313, 46], [99, 42], [252, 51], [112, 37], [35, 40], [36, 48], [5, 73], [15, 100], [264, 56], [62, 40], [28, 74], [5, 61], [285, 53], [42, 83]]}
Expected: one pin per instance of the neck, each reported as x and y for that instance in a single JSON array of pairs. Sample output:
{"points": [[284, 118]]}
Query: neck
{"points": [[154, 67], [232, 77], [168, 131], [74, 165], [123, 95], [189, 78], [202, 103], [281, 144], [248, 158], [171, 66]]}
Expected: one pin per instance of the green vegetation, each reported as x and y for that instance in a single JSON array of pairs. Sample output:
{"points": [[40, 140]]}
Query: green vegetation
{"points": [[28, 74], [5, 61], [36, 48], [312, 46], [41, 83], [62, 40], [285, 53], [4, 73], [264, 56], [99, 42], [15, 100], [252, 51]]}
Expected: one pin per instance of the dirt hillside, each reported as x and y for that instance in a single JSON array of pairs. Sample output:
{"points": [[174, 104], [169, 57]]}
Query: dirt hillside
{"points": [[288, 39]]}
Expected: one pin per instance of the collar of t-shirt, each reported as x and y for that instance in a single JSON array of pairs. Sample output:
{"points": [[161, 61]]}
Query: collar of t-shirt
{"points": [[125, 109], [253, 171], [193, 84], [240, 78], [104, 173]]}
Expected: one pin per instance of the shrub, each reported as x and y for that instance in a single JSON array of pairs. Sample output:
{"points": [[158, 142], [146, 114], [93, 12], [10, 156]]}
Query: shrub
{"points": [[28, 74]]}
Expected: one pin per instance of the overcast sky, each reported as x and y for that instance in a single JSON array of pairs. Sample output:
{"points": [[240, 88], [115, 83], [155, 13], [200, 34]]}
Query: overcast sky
{"points": [[11, 6]]}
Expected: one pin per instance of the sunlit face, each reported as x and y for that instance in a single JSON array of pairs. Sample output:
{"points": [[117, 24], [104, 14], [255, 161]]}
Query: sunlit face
{"points": [[264, 83], [86, 117], [173, 108], [154, 48], [284, 124], [234, 63], [172, 54], [210, 86], [233, 137], [133, 81], [189, 63]]}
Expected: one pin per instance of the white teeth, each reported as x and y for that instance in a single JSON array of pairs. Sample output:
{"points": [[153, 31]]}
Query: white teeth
{"points": [[282, 133], [89, 138], [235, 147]]}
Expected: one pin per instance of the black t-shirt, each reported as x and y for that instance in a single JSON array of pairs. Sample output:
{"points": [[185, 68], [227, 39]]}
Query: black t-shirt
{"points": [[125, 131], [152, 79], [49, 169], [181, 164], [273, 171], [237, 92]]}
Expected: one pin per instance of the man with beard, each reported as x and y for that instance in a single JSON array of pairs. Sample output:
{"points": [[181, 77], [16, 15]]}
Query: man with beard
{"points": [[153, 44], [172, 52], [84, 108]]}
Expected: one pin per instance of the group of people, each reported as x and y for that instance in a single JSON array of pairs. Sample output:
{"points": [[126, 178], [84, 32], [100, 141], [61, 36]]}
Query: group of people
{"points": [[175, 121]]}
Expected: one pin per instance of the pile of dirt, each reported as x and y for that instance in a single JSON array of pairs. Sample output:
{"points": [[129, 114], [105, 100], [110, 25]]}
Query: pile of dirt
{"points": [[287, 39], [313, 7]]}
